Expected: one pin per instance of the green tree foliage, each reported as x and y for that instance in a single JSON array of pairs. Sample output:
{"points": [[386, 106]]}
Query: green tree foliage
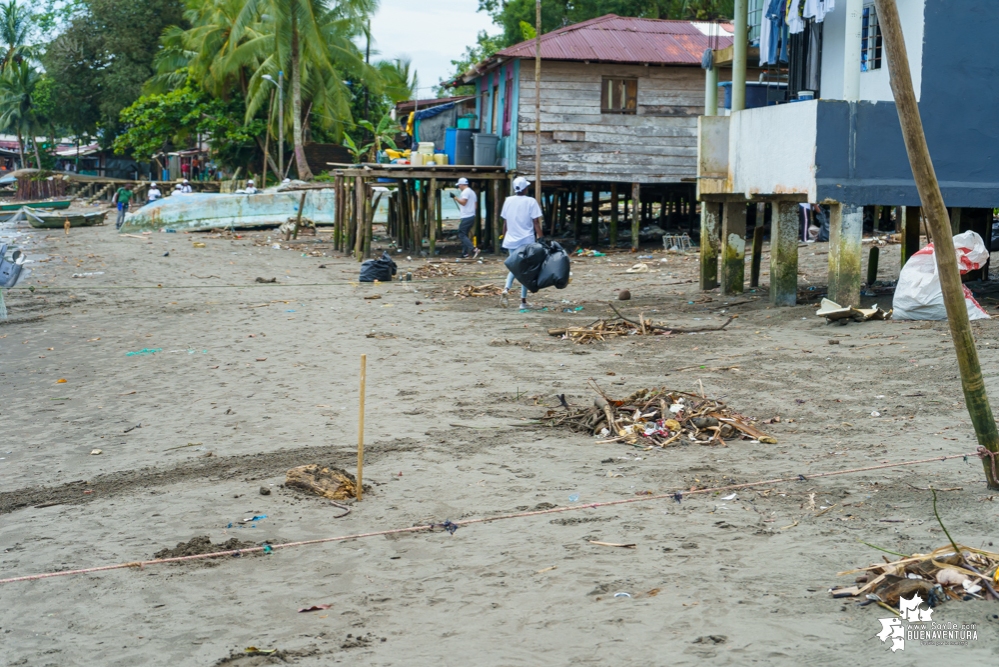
{"points": [[161, 122], [485, 46], [18, 114], [104, 57], [511, 14], [16, 24]]}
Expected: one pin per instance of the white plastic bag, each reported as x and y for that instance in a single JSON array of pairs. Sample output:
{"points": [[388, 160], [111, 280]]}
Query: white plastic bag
{"points": [[918, 295]]}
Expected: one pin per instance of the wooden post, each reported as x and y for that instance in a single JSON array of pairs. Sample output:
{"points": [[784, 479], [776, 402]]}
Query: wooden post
{"points": [[497, 209], [440, 213], [369, 221], [733, 247], [754, 272], [558, 216], [613, 220], [360, 196], [478, 219], [577, 212], [298, 217], [975, 395], [636, 214], [910, 232], [337, 209], [595, 218], [846, 226], [783, 253], [360, 427], [432, 202], [710, 244], [872, 266], [955, 221]]}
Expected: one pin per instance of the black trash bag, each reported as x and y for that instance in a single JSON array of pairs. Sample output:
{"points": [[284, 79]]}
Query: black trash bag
{"points": [[555, 270], [525, 263], [381, 269]]}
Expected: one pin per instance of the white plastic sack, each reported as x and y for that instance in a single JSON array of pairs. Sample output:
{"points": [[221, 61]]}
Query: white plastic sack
{"points": [[918, 295]]}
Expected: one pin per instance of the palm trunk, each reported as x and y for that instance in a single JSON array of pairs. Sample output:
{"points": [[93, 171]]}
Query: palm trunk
{"points": [[20, 149], [304, 173], [38, 159]]}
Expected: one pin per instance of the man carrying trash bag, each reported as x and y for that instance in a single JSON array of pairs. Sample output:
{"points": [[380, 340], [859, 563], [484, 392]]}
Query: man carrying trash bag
{"points": [[521, 227], [534, 264]]}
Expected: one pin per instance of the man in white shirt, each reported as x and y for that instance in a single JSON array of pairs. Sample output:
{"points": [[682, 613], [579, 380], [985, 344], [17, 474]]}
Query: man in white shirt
{"points": [[251, 188], [186, 187], [153, 194], [521, 226], [467, 201]]}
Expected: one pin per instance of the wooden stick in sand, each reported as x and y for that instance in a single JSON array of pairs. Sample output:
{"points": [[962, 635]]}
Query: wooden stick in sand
{"points": [[937, 221], [360, 429]]}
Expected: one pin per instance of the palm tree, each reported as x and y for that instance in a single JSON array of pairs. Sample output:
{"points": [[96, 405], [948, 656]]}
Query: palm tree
{"points": [[399, 79], [17, 112], [15, 28], [312, 41]]}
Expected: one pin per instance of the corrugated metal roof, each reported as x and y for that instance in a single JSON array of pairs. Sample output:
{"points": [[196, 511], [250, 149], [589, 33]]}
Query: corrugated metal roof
{"points": [[620, 39]]}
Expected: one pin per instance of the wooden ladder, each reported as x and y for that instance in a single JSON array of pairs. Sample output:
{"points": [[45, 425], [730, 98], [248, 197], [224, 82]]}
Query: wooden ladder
{"points": [[103, 191]]}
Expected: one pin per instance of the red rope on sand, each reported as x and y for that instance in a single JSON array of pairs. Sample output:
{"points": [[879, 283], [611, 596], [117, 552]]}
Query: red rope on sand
{"points": [[677, 495]]}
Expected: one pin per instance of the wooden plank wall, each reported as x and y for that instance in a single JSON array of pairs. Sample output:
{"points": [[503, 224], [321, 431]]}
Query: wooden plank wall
{"points": [[658, 144]]}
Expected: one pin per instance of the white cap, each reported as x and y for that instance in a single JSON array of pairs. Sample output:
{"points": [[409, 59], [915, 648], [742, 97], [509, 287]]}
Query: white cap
{"points": [[462, 181], [250, 182], [185, 180], [520, 184], [153, 184], [178, 186]]}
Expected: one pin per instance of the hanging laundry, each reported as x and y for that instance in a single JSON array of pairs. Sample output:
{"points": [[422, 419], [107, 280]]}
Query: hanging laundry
{"points": [[793, 17], [817, 9], [776, 46]]}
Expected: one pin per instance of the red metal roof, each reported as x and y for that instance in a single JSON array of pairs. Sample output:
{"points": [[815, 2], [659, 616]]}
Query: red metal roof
{"points": [[620, 39]]}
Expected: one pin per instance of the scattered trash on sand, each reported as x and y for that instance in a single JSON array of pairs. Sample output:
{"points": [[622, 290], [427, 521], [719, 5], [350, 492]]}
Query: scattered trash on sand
{"points": [[434, 270], [478, 290], [657, 417], [602, 329], [143, 352], [939, 576], [266, 280], [315, 607], [330, 483], [202, 545], [96, 452], [833, 312]]}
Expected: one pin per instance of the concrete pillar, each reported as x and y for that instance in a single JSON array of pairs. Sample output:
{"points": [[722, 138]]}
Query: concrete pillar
{"points": [[784, 254], [711, 92], [733, 247], [851, 49], [710, 243], [739, 44], [910, 232], [846, 231]]}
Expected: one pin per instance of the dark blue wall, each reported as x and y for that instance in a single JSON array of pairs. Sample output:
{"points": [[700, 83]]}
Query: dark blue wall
{"points": [[860, 155]]}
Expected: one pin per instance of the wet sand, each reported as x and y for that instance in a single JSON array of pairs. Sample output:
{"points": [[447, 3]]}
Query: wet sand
{"points": [[252, 379]]}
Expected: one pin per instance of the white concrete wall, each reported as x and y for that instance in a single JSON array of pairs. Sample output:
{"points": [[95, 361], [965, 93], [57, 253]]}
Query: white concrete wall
{"points": [[772, 150], [874, 85]]}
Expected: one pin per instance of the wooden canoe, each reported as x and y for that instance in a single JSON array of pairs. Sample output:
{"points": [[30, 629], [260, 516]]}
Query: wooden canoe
{"points": [[57, 204], [58, 220]]}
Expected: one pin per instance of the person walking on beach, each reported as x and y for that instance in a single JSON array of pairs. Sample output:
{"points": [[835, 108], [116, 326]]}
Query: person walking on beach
{"points": [[121, 198], [521, 226], [467, 202]]}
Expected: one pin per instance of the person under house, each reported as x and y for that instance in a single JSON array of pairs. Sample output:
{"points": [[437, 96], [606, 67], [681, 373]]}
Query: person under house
{"points": [[521, 226], [467, 202]]}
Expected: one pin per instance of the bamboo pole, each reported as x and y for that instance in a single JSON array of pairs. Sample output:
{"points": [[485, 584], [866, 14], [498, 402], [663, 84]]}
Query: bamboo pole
{"points": [[432, 201], [360, 427], [537, 100], [935, 212], [636, 214], [614, 214], [595, 217], [359, 197]]}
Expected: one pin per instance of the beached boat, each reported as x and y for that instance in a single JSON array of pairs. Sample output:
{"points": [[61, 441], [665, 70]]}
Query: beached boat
{"points": [[56, 204], [200, 211], [58, 220]]}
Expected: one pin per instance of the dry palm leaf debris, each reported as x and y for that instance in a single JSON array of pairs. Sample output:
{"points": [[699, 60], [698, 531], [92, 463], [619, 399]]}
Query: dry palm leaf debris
{"points": [[438, 270], [941, 575], [478, 290], [657, 417], [331, 483], [603, 329]]}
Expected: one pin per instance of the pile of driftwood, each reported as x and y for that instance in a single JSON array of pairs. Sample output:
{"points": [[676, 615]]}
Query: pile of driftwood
{"points": [[602, 329], [953, 572], [657, 417], [478, 290], [435, 270], [332, 483]]}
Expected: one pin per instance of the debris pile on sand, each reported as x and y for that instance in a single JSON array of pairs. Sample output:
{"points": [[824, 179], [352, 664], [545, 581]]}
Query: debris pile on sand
{"points": [[478, 290], [657, 417], [435, 270], [603, 329], [944, 574], [331, 483], [202, 545]]}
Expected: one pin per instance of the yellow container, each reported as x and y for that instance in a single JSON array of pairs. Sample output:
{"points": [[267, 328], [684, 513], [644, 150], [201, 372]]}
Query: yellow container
{"points": [[440, 158]]}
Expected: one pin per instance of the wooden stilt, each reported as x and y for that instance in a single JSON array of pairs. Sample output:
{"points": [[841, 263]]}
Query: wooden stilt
{"points": [[360, 195], [369, 222], [754, 272], [733, 248], [910, 232], [595, 218], [577, 212], [432, 215], [497, 202], [636, 218], [613, 216], [872, 266]]}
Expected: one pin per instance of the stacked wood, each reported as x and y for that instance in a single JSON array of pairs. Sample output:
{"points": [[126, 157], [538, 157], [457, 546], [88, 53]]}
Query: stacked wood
{"points": [[35, 188]]}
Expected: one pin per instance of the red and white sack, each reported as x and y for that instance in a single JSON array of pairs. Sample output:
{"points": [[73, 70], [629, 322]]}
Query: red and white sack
{"points": [[918, 295]]}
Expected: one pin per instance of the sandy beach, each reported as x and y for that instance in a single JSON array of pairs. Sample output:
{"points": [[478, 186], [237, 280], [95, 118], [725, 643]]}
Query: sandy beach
{"points": [[232, 382]]}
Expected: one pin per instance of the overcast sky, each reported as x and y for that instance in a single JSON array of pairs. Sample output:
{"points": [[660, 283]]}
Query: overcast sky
{"points": [[431, 33]]}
